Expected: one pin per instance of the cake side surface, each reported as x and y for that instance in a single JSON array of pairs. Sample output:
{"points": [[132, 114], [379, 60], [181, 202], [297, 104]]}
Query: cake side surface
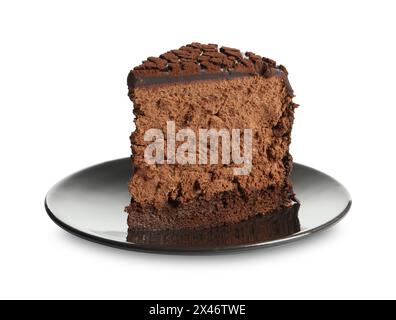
{"points": [[255, 96]]}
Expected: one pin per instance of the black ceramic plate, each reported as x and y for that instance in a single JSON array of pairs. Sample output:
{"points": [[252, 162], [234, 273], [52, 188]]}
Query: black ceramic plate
{"points": [[90, 204]]}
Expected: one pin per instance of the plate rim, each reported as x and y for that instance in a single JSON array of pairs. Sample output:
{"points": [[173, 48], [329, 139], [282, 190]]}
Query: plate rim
{"points": [[129, 246]]}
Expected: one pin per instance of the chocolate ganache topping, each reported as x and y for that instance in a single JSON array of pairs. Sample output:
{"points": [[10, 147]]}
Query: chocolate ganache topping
{"points": [[198, 61]]}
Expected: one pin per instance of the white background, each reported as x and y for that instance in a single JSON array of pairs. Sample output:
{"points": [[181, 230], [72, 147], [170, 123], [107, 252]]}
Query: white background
{"points": [[64, 106]]}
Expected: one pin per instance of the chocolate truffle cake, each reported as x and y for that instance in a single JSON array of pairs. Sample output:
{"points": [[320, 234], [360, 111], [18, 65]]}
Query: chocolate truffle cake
{"points": [[211, 144]]}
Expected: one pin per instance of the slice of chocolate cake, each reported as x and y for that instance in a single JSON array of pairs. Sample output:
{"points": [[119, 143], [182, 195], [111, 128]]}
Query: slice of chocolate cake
{"points": [[211, 144]]}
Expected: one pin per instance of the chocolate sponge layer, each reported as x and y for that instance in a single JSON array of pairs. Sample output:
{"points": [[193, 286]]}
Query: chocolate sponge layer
{"points": [[279, 224], [221, 209], [187, 196]]}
